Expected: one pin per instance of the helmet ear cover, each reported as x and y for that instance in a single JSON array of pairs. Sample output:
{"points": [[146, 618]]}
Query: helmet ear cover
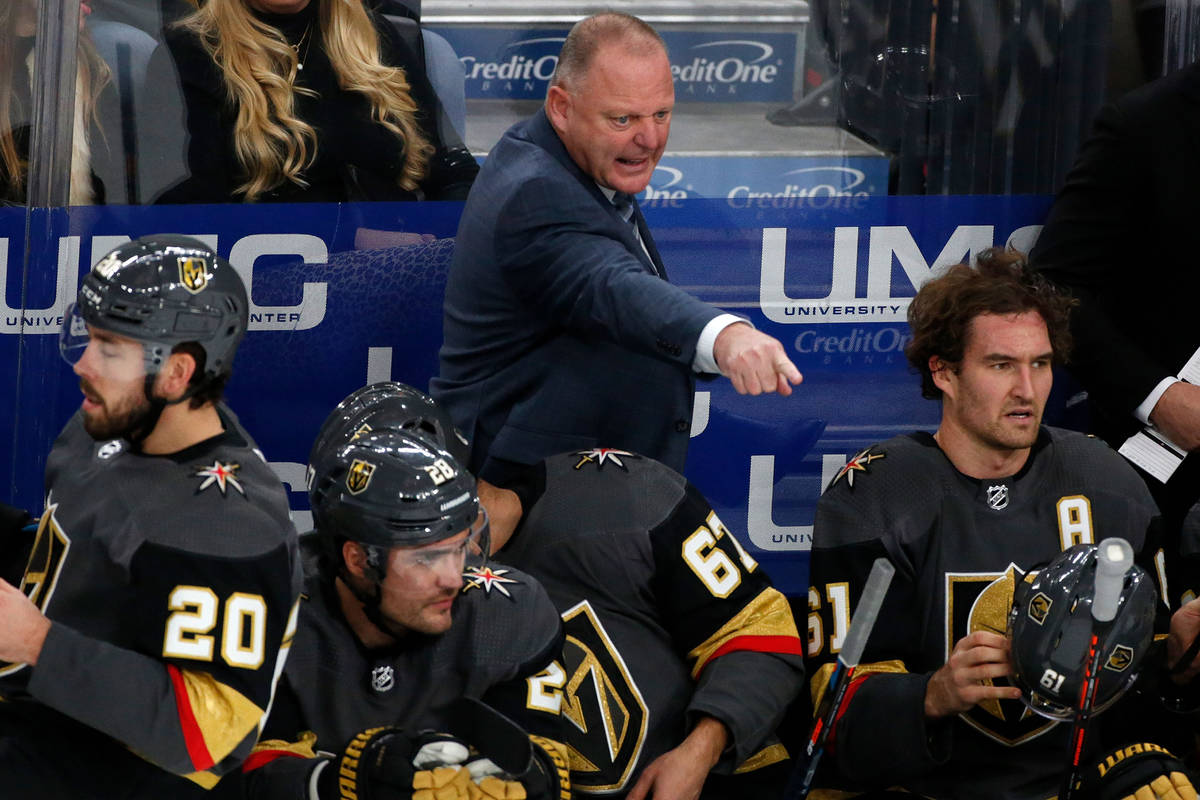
{"points": [[1050, 627]]}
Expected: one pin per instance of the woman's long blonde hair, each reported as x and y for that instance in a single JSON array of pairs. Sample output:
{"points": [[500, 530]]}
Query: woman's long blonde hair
{"points": [[273, 145], [92, 76]]}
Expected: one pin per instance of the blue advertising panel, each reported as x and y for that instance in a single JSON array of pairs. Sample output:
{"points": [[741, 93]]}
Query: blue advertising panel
{"points": [[343, 295], [767, 181], [515, 63]]}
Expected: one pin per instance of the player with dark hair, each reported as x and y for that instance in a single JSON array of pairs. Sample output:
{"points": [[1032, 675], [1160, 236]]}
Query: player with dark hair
{"points": [[139, 653], [962, 514], [942, 315], [402, 618]]}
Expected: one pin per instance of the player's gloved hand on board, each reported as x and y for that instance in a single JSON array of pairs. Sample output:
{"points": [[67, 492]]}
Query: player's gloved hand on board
{"points": [[386, 763], [1143, 771]]}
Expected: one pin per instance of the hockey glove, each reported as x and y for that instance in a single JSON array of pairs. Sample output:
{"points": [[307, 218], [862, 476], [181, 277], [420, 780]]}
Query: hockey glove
{"points": [[1137, 772], [375, 765], [387, 764]]}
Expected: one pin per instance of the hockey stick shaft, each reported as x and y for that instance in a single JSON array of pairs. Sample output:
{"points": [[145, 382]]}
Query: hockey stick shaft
{"points": [[1113, 559], [861, 623]]}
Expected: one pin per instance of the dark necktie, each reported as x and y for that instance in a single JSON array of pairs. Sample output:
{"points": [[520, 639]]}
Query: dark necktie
{"points": [[624, 205]]}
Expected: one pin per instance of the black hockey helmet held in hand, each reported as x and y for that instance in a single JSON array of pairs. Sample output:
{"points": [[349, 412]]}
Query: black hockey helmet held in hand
{"points": [[1050, 627], [390, 405], [392, 489], [162, 291]]}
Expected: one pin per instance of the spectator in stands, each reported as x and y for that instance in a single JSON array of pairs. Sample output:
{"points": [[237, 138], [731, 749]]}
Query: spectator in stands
{"points": [[308, 100], [18, 23]]}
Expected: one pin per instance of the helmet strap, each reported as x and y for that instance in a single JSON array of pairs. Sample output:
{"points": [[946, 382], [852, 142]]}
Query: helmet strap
{"points": [[136, 436], [370, 600]]}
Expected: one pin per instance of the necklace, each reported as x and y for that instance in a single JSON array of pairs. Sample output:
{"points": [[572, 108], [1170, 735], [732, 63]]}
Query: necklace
{"points": [[302, 42]]}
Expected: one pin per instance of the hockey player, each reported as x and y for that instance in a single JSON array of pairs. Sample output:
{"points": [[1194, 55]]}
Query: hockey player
{"points": [[400, 619], [138, 654], [679, 655], [961, 514], [680, 658]]}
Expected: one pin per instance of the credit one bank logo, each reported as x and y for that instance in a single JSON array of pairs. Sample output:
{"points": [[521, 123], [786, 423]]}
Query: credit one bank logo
{"points": [[527, 64], [518, 64], [756, 185], [722, 67]]}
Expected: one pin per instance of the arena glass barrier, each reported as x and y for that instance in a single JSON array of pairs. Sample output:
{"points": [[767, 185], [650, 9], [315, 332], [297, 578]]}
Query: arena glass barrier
{"points": [[830, 277]]}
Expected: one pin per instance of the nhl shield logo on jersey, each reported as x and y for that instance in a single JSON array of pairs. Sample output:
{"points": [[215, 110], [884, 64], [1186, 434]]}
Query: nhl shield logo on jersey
{"points": [[603, 455], [1121, 658], [109, 449], [997, 496], [383, 678], [359, 476], [487, 579], [193, 273], [220, 475], [855, 465]]}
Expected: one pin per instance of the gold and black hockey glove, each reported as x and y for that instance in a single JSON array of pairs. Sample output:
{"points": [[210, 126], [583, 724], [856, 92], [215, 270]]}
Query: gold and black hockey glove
{"points": [[1143, 771]]}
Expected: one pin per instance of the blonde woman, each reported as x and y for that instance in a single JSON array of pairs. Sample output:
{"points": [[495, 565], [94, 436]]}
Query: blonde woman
{"points": [[18, 23], [308, 100]]}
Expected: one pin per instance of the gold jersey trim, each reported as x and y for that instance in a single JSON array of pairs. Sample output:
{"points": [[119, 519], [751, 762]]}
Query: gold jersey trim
{"points": [[768, 614]]}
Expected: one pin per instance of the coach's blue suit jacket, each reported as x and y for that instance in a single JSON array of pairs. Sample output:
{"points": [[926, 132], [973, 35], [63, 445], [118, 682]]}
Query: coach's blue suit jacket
{"points": [[558, 333]]}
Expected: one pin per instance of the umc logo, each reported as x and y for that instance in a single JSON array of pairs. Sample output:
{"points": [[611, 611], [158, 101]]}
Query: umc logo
{"points": [[886, 292], [50, 293]]}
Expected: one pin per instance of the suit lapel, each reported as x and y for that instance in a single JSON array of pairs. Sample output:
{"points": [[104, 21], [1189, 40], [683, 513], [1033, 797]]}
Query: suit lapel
{"points": [[539, 131]]}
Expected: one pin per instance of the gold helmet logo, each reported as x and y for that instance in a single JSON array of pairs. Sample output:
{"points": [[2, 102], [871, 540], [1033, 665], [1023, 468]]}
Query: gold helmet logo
{"points": [[363, 430], [359, 476], [1039, 608], [1121, 658], [193, 273]]}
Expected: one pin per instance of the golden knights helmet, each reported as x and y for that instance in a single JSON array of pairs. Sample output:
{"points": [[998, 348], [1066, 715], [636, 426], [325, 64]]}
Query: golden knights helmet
{"points": [[162, 291], [387, 405], [1050, 628], [390, 488]]}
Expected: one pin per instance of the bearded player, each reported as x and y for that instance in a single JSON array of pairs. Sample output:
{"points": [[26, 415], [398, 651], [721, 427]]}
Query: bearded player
{"points": [[962, 513], [138, 654]]}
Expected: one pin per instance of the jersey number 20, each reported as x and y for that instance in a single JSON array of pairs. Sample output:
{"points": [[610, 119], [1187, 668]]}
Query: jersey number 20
{"points": [[194, 615]]}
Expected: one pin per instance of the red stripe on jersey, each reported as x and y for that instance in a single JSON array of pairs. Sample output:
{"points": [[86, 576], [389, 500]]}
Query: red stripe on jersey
{"points": [[193, 737], [787, 645], [260, 757]]}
